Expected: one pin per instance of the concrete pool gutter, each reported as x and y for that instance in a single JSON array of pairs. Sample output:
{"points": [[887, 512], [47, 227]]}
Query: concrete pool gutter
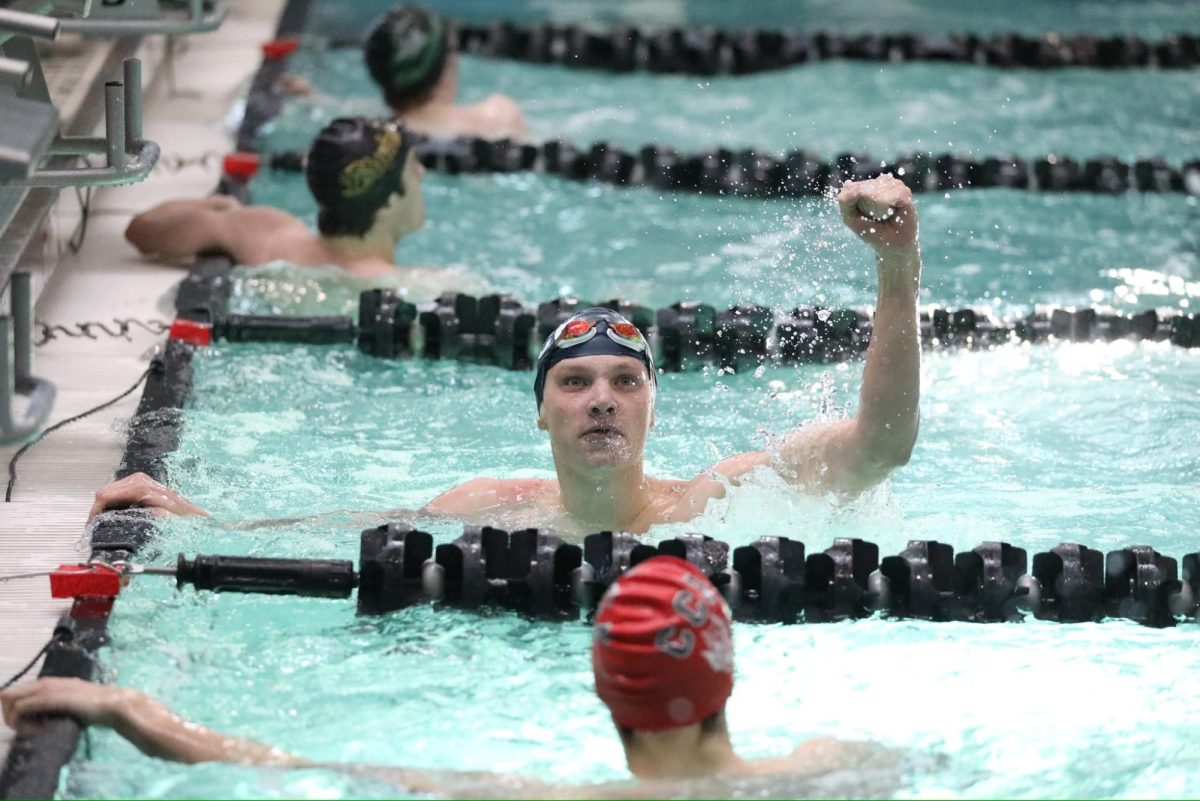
{"points": [[33, 767]]}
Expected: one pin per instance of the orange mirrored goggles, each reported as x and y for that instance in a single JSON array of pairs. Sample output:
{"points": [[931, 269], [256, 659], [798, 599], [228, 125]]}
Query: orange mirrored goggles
{"points": [[621, 331]]}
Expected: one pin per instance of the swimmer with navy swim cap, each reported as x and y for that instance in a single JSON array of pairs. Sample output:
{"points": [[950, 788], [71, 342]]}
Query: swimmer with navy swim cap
{"points": [[595, 389], [580, 336], [366, 179], [662, 660], [410, 56]]}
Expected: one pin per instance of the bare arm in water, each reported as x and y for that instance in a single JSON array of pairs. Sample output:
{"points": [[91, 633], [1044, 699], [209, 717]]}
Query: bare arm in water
{"points": [[180, 229], [158, 732], [852, 455], [139, 490]]}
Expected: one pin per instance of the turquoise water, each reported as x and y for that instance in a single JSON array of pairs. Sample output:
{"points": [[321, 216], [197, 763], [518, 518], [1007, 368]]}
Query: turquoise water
{"points": [[1031, 444], [830, 108], [336, 438], [1152, 19], [995, 248]]}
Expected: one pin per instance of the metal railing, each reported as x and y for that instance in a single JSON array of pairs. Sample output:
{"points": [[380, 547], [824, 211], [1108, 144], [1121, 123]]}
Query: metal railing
{"points": [[131, 18]]}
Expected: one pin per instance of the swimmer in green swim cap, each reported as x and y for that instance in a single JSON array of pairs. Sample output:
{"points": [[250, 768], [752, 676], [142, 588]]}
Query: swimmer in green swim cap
{"points": [[366, 179], [410, 56]]}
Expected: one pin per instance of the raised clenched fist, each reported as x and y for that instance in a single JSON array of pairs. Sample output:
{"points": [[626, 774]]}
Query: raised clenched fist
{"points": [[881, 211]]}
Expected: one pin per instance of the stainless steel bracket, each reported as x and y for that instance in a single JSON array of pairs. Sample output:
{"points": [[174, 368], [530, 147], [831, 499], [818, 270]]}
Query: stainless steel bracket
{"points": [[128, 157], [197, 20], [16, 368]]}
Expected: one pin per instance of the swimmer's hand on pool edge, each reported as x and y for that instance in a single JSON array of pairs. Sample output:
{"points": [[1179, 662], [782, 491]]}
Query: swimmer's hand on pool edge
{"points": [[139, 490], [146, 723], [158, 732]]}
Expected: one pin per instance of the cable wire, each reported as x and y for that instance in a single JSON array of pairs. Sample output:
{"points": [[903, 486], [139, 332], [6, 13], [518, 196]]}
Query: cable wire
{"points": [[34, 661], [12, 464], [124, 327]]}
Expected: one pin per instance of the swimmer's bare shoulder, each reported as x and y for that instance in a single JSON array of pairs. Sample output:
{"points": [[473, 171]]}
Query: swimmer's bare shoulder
{"points": [[496, 116], [486, 494], [683, 500]]}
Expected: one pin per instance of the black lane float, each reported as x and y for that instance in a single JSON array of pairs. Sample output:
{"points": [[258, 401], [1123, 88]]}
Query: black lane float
{"points": [[753, 173], [688, 335], [710, 51], [537, 573]]}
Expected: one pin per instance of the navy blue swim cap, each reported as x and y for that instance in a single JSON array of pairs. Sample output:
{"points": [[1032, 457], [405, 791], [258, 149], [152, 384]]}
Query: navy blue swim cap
{"points": [[592, 332]]}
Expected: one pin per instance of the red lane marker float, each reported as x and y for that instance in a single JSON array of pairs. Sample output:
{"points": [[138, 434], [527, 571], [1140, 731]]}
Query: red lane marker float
{"points": [[280, 49], [241, 165], [191, 331], [85, 581]]}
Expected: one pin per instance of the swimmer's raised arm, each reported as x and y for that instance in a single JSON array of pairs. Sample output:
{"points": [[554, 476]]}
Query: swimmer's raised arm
{"points": [[849, 456]]}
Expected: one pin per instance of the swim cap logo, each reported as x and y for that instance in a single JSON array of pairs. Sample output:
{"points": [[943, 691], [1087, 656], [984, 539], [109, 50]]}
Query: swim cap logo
{"points": [[362, 174], [675, 641], [690, 608], [718, 646]]}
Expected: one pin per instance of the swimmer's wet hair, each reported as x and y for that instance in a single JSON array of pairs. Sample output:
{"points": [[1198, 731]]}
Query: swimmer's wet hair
{"points": [[406, 55], [354, 166]]}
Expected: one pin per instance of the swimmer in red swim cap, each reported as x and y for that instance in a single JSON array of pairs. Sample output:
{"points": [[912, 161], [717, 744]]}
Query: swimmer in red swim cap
{"points": [[662, 655]]}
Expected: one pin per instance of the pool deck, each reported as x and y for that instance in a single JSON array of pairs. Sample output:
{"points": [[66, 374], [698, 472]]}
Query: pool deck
{"points": [[57, 479]]}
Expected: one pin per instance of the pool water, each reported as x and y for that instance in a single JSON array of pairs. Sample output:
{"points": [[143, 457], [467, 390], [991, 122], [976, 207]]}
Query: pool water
{"points": [[1150, 19], [1034, 445], [830, 108], [996, 249], [336, 438]]}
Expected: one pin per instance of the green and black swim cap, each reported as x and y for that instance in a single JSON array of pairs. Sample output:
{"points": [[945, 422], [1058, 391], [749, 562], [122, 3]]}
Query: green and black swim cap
{"points": [[353, 167], [406, 53]]}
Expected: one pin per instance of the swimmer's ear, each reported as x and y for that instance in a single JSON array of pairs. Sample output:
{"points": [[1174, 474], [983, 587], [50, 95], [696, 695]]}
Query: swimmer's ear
{"points": [[541, 424]]}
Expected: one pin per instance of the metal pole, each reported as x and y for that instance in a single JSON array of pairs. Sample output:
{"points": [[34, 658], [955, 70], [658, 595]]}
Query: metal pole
{"points": [[15, 72], [6, 376], [114, 124], [133, 103], [21, 298], [22, 23]]}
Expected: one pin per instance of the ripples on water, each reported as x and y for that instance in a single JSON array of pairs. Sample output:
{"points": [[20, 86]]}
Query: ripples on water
{"points": [[987, 249], [1034, 445], [833, 107], [279, 431]]}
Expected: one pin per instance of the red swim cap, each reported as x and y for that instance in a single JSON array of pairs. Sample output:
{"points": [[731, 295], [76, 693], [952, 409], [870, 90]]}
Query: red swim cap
{"points": [[662, 651]]}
